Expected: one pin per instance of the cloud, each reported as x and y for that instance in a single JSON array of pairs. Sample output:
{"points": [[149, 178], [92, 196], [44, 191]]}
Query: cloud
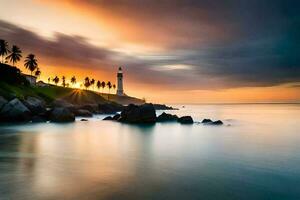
{"points": [[62, 48], [225, 44], [191, 23]]}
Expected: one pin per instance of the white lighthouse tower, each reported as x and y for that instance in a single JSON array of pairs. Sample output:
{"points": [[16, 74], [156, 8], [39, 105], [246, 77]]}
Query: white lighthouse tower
{"points": [[120, 90]]}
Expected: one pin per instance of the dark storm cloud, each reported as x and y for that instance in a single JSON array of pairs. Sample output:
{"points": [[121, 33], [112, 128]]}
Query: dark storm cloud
{"points": [[64, 47], [188, 23], [75, 51], [220, 44]]}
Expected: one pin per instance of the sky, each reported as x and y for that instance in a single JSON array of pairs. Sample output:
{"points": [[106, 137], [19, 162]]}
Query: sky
{"points": [[171, 51]]}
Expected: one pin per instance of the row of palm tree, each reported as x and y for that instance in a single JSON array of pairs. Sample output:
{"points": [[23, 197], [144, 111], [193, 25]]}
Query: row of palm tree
{"points": [[14, 55], [87, 83]]}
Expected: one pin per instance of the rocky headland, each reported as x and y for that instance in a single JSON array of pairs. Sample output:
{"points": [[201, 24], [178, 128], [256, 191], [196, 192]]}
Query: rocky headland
{"points": [[34, 109], [145, 114]]}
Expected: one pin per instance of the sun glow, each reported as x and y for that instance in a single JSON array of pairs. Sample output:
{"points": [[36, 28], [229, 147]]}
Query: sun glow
{"points": [[161, 66]]}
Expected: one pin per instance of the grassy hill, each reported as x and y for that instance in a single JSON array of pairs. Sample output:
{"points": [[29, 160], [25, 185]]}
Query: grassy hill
{"points": [[124, 100], [12, 84], [74, 96]]}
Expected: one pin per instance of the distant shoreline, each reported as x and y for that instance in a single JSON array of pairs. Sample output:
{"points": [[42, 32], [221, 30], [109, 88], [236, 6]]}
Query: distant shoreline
{"points": [[231, 103]]}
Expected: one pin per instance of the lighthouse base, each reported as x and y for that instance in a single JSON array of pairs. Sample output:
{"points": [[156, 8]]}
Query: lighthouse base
{"points": [[120, 93]]}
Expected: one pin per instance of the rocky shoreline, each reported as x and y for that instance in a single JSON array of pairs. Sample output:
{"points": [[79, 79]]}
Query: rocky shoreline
{"points": [[145, 114], [33, 109]]}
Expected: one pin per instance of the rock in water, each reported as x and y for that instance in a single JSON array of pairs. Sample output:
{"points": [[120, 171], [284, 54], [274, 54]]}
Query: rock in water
{"points": [[186, 120], [210, 122], [108, 118], [163, 107], [35, 105], [93, 108], [218, 122], [164, 117], [2, 102], [116, 117], [15, 110], [109, 108], [204, 121], [38, 119], [61, 115], [83, 113], [138, 114]]}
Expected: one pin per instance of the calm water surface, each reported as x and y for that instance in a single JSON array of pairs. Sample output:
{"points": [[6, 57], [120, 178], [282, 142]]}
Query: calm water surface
{"points": [[255, 155]]}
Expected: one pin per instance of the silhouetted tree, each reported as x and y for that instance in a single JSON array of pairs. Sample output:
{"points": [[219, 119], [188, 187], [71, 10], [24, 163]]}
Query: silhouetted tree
{"points": [[31, 63], [3, 49], [55, 80], [93, 83], [87, 83], [73, 80], [15, 55], [63, 81], [114, 86], [37, 73], [109, 85], [49, 80], [103, 84], [98, 85]]}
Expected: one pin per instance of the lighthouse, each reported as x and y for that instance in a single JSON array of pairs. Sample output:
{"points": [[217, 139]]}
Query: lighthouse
{"points": [[120, 90]]}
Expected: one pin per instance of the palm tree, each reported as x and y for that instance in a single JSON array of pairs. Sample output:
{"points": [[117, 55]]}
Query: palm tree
{"points": [[3, 49], [87, 83], [31, 63], [114, 86], [55, 80], [63, 81], [37, 73], [73, 80], [98, 84], [15, 55], [103, 85], [109, 85], [93, 83]]}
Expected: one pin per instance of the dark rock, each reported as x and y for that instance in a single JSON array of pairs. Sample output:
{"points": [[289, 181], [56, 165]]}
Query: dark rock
{"points": [[83, 113], [84, 120], [38, 119], [108, 118], [163, 107], [2, 102], [218, 122], [109, 108], [62, 103], [164, 117], [35, 105], [138, 114], [61, 115], [116, 117], [186, 120], [15, 110], [206, 121], [93, 108], [210, 122]]}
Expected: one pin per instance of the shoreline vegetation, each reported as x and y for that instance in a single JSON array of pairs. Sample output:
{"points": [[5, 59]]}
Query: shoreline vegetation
{"points": [[24, 100]]}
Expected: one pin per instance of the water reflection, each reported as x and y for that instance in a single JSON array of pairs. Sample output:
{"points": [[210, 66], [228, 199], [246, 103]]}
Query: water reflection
{"points": [[255, 158]]}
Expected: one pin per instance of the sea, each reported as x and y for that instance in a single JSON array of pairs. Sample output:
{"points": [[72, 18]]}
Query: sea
{"points": [[254, 155]]}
